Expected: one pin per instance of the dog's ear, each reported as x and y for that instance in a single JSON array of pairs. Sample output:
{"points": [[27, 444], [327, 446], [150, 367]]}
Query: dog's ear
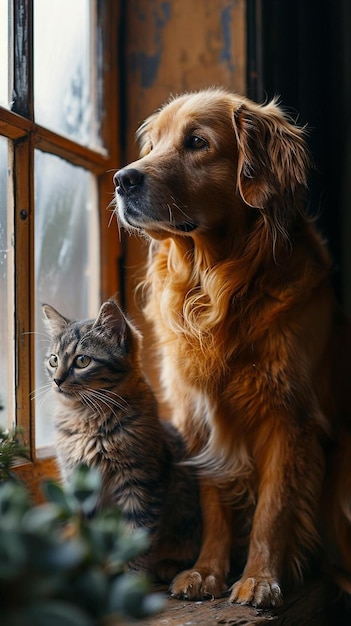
{"points": [[143, 134], [273, 159]]}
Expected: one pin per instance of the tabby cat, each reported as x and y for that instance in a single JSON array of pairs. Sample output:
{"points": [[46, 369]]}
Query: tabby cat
{"points": [[106, 417]]}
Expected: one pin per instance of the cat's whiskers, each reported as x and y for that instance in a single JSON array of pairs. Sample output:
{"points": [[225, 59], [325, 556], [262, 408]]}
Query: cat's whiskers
{"points": [[96, 403], [47, 339], [37, 333], [109, 402], [89, 401], [41, 395], [104, 395], [38, 391], [121, 401]]}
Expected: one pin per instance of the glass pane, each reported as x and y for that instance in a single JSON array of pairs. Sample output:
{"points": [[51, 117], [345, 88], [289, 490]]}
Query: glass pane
{"points": [[64, 59], [5, 37], [7, 413], [67, 260]]}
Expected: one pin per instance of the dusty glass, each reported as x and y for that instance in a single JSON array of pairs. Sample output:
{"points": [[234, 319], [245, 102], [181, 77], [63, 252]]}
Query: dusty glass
{"points": [[7, 342], [65, 68], [67, 266]]}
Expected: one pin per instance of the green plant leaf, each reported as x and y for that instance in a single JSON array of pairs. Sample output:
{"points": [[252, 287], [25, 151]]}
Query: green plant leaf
{"points": [[129, 545], [56, 613], [64, 555], [153, 603], [89, 590], [85, 487], [13, 555], [127, 595], [14, 502], [73, 564], [56, 494], [103, 533], [11, 449], [43, 518]]}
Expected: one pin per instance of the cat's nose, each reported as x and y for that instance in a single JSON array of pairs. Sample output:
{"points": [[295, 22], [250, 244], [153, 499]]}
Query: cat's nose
{"points": [[58, 381]]}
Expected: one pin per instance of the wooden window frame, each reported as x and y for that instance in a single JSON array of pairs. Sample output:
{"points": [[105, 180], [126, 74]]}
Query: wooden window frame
{"points": [[19, 126]]}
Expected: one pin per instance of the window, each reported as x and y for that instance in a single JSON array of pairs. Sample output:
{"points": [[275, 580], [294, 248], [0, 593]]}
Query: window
{"points": [[6, 287], [58, 149]]}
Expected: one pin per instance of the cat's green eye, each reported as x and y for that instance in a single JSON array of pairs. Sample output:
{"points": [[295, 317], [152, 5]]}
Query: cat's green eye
{"points": [[53, 360], [82, 361]]}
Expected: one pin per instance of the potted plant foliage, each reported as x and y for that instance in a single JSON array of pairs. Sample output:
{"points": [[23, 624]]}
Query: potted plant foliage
{"points": [[58, 564]]}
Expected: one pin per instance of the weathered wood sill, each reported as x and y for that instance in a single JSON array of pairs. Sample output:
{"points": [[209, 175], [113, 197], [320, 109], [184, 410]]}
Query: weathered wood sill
{"points": [[316, 604]]}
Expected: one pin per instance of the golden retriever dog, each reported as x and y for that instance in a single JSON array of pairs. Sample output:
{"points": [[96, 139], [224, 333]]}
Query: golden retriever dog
{"points": [[253, 348]]}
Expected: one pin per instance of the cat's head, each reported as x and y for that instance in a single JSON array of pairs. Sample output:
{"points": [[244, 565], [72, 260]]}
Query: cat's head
{"points": [[91, 354]]}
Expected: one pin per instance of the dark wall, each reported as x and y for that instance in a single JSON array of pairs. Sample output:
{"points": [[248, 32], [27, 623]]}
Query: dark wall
{"points": [[301, 50]]}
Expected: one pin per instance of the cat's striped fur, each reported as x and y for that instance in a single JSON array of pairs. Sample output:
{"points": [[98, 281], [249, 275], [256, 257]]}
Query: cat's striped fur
{"points": [[106, 417]]}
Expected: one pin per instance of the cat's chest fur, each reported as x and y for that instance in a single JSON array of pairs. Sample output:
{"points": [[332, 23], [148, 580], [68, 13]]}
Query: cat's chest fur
{"points": [[108, 442]]}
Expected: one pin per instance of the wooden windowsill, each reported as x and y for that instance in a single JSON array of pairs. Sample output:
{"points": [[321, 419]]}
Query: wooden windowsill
{"points": [[33, 474], [317, 603]]}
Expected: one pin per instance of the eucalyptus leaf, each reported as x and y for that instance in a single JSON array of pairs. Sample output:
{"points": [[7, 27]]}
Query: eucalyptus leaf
{"points": [[127, 595], [64, 555], [90, 590], [86, 479], [153, 603], [56, 613], [56, 494], [13, 556], [14, 502], [130, 545], [85, 487], [43, 518], [61, 567], [104, 534]]}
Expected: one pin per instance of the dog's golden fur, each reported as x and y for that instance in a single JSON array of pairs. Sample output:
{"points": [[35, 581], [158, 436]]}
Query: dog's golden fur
{"points": [[248, 332]]}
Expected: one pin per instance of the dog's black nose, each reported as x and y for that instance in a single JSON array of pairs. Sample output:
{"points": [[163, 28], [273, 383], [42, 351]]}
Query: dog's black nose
{"points": [[127, 178]]}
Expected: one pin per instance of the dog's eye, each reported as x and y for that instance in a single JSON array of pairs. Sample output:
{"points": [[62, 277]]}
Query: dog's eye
{"points": [[146, 149], [194, 142]]}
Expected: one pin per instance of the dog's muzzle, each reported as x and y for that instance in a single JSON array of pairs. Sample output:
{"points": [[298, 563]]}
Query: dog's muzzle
{"points": [[138, 211]]}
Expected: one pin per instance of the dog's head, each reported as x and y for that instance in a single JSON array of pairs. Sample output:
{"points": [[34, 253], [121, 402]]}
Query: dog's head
{"points": [[213, 161]]}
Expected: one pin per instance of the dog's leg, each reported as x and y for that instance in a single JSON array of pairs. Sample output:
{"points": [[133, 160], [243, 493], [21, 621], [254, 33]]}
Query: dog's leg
{"points": [[283, 527], [207, 577], [259, 584]]}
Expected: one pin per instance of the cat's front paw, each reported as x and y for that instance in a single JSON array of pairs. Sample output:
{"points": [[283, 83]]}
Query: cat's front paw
{"points": [[260, 592], [197, 584]]}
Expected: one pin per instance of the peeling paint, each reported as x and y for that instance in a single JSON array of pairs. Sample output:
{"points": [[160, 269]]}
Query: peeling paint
{"points": [[226, 23], [166, 8], [148, 64]]}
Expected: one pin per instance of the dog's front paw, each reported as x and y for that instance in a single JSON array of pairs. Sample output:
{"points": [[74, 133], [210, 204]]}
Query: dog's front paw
{"points": [[260, 592], [197, 585]]}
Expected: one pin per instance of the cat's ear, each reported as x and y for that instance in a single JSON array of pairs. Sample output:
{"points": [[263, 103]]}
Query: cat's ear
{"points": [[113, 321], [54, 321]]}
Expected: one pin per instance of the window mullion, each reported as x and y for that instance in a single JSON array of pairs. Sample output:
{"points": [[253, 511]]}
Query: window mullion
{"points": [[47, 140], [23, 58], [13, 126], [24, 285]]}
